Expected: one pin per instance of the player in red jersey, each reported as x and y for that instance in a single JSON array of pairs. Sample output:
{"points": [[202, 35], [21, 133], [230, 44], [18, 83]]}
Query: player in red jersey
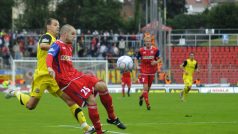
{"points": [[149, 57], [126, 81], [81, 87]]}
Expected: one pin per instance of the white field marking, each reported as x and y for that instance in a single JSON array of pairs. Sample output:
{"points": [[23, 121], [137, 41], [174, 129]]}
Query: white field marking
{"points": [[73, 126], [179, 123]]}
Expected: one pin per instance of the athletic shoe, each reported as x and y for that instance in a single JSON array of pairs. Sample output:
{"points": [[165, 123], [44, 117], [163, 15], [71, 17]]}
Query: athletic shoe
{"points": [[148, 107], [181, 96], [117, 122], [140, 101], [93, 130], [128, 94], [9, 93]]}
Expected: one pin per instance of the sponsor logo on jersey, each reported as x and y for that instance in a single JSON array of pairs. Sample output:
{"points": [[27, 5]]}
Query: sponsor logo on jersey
{"points": [[45, 40], [148, 57], [66, 57]]}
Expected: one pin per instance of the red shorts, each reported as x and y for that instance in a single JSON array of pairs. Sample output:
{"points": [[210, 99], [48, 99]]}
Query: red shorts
{"points": [[126, 81], [146, 79], [80, 89]]}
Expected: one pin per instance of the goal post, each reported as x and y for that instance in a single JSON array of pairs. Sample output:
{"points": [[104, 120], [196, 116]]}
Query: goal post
{"points": [[24, 69]]}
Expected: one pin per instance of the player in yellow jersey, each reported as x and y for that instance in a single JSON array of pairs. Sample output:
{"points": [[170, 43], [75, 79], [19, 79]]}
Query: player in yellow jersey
{"points": [[42, 80], [189, 66]]}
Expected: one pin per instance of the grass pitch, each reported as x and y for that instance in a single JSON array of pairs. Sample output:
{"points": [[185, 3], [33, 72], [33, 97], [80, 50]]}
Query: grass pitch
{"points": [[200, 114]]}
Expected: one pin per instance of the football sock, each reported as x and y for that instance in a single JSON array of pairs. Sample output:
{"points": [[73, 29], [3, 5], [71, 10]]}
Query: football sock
{"points": [[23, 98], [94, 116], [146, 97], [79, 116], [106, 100], [128, 92], [123, 90]]}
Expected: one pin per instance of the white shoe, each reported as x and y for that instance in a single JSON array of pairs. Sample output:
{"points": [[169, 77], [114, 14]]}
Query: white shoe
{"points": [[10, 93], [91, 131]]}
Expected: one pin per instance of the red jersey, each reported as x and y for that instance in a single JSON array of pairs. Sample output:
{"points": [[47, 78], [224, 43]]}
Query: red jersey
{"points": [[147, 56], [61, 54]]}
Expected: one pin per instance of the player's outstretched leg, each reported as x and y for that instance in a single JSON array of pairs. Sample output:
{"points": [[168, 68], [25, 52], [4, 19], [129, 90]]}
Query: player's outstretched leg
{"points": [[116, 122]]}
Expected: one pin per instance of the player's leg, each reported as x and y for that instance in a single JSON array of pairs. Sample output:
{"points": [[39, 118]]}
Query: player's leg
{"points": [[123, 88], [106, 100], [30, 101], [74, 108], [129, 88], [128, 83], [93, 114]]}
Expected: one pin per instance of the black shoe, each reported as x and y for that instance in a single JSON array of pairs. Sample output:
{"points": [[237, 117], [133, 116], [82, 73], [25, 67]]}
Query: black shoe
{"points": [[140, 101], [117, 122], [148, 107], [128, 94]]}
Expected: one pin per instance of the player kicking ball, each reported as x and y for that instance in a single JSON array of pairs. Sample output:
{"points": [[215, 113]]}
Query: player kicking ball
{"points": [[81, 87]]}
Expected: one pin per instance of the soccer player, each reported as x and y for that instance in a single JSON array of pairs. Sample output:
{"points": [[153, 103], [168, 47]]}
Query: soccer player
{"points": [[126, 81], [188, 67], [81, 87], [149, 57], [42, 80]]}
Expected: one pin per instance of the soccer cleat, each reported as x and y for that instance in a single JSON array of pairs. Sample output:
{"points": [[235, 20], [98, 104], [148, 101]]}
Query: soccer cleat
{"points": [[140, 101], [93, 130], [181, 96], [128, 94], [117, 122], [10, 93], [148, 107]]}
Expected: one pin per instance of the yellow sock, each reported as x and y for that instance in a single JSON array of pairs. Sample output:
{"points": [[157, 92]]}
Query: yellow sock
{"points": [[23, 98], [78, 114]]}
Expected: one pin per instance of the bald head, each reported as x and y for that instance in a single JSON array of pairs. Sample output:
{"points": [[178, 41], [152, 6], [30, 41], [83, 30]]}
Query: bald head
{"points": [[67, 33]]}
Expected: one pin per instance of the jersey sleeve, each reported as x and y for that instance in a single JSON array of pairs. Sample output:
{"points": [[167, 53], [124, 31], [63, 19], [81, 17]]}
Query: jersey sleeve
{"points": [[184, 63], [138, 55], [52, 53], [54, 50], [45, 39]]}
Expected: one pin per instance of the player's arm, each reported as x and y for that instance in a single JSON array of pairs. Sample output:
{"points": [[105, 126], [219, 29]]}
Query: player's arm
{"points": [[52, 53], [182, 66], [157, 59], [45, 42], [196, 67]]}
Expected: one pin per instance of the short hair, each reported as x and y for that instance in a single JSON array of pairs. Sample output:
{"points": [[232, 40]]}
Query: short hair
{"points": [[65, 28], [49, 21]]}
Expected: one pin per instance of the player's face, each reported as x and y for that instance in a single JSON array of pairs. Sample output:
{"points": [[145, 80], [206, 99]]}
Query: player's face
{"points": [[71, 35], [54, 27], [147, 44], [191, 56]]}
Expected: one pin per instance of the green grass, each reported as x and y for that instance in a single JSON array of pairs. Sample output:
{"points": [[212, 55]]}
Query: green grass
{"points": [[210, 114]]}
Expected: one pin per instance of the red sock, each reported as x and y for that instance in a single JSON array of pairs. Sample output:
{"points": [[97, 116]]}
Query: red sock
{"points": [[146, 97], [94, 116], [106, 100]]}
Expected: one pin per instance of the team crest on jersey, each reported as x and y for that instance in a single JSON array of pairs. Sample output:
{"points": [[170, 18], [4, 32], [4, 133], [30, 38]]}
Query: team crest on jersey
{"points": [[66, 57], [152, 52]]}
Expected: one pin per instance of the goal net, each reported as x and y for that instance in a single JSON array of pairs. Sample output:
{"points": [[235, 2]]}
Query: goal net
{"points": [[23, 71]]}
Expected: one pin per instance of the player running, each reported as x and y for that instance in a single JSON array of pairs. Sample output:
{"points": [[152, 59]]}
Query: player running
{"points": [[126, 81], [82, 88], [149, 57], [189, 66]]}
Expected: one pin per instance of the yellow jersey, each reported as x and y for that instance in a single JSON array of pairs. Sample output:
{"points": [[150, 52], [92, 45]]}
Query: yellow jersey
{"points": [[41, 68], [190, 66]]}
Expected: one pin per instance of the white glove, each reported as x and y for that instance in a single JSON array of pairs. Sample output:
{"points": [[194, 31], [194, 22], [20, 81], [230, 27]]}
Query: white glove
{"points": [[51, 72]]}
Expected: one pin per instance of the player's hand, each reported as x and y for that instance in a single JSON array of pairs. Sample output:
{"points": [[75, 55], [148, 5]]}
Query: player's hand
{"points": [[154, 62], [51, 72]]}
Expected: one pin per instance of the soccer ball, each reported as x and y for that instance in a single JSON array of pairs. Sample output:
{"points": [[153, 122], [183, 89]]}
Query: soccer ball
{"points": [[125, 63]]}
